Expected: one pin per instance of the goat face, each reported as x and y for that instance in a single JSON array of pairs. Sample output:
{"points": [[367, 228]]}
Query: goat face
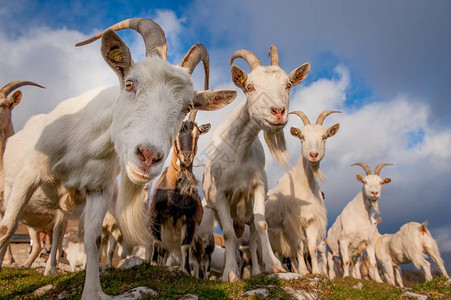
{"points": [[185, 146], [154, 98], [313, 139], [267, 90], [372, 186]]}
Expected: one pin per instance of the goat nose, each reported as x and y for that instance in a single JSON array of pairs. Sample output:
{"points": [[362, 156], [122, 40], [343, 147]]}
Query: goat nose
{"points": [[374, 193], [148, 155], [313, 154], [277, 111]]}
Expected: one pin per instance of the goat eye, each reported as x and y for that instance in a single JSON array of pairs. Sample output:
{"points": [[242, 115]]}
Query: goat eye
{"points": [[302, 137], [324, 137], [250, 88], [188, 109], [288, 86], [129, 85]]}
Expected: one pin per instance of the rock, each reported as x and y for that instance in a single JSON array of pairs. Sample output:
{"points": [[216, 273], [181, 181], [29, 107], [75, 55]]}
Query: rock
{"points": [[358, 286], [128, 263], [64, 295], [448, 282], [190, 297], [42, 290], [314, 281], [136, 293], [286, 276], [300, 294], [262, 292], [414, 295]]}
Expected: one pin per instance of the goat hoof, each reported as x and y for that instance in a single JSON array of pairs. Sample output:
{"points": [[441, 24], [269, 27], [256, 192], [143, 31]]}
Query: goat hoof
{"points": [[276, 268], [230, 276]]}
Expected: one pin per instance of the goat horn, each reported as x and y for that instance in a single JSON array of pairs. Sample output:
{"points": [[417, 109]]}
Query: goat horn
{"points": [[192, 58], [379, 167], [364, 166], [16, 84], [153, 35], [274, 54], [248, 56], [192, 115], [301, 115], [324, 114]]}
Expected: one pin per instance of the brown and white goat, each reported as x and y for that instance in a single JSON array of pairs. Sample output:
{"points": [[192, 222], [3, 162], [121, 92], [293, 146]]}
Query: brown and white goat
{"points": [[176, 208]]}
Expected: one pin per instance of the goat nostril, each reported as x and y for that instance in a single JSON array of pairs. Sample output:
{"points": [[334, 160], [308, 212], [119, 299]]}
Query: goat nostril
{"points": [[157, 157], [282, 110], [273, 110], [140, 153]]}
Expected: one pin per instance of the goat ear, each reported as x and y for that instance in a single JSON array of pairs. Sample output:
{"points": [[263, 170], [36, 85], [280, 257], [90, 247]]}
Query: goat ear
{"points": [[386, 180], [239, 77], [213, 99], [295, 131], [116, 54], [378, 220], [359, 178], [204, 128], [297, 75], [332, 130], [15, 99]]}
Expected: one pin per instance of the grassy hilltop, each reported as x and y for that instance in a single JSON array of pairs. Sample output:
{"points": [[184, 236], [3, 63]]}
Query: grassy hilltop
{"points": [[20, 284]]}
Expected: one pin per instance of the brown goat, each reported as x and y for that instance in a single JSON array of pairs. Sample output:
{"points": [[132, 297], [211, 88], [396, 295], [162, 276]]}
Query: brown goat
{"points": [[176, 208]]}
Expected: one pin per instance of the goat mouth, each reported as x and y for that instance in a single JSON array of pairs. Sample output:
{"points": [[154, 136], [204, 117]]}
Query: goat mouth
{"points": [[277, 126], [136, 174]]}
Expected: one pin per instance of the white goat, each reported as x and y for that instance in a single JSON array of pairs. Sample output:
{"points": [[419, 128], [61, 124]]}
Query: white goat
{"points": [[409, 245], [235, 183], [80, 147], [7, 130], [295, 210], [353, 230]]}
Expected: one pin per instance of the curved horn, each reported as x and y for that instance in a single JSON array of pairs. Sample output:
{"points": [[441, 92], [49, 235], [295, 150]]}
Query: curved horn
{"points": [[274, 54], [153, 35], [301, 115], [379, 167], [192, 115], [16, 84], [364, 166], [192, 58], [324, 114], [248, 56]]}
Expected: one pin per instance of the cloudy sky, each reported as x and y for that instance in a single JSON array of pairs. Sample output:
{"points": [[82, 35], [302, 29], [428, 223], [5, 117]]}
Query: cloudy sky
{"points": [[385, 64]]}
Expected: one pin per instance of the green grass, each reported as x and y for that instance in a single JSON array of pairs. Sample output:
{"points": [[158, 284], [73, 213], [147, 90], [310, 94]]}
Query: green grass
{"points": [[20, 284]]}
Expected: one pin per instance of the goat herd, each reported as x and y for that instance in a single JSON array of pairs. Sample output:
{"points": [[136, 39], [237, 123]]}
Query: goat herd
{"points": [[73, 155]]}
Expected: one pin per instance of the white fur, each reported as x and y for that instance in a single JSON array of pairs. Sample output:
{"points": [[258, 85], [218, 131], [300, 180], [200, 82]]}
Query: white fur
{"points": [[353, 230], [295, 210], [235, 183], [80, 147], [410, 244]]}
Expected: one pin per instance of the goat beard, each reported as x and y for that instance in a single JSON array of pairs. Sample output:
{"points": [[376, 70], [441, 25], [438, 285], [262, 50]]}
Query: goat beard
{"points": [[277, 146], [317, 171], [187, 183]]}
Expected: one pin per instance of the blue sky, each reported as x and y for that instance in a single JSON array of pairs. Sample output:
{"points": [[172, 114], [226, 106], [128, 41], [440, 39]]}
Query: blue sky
{"points": [[384, 63]]}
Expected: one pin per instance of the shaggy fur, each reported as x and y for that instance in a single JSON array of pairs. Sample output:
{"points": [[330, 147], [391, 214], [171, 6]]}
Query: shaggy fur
{"points": [[235, 183], [295, 209]]}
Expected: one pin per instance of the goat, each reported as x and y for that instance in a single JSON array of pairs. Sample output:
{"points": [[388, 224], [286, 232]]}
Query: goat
{"points": [[295, 209], [6, 131], [235, 182], [205, 241], [353, 230], [409, 245], [176, 208], [80, 147]]}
